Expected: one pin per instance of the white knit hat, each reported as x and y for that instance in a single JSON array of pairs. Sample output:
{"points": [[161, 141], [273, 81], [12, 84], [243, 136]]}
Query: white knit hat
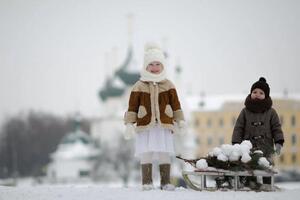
{"points": [[153, 53]]}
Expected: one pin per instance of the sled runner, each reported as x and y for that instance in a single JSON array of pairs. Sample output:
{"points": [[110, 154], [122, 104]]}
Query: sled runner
{"points": [[234, 167], [233, 175]]}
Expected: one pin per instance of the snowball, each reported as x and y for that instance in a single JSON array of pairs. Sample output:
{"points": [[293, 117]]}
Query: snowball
{"points": [[217, 151], [201, 164], [234, 156], [237, 149], [222, 157], [248, 143], [258, 152], [226, 149], [210, 154], [263, 162], [246, 158], [245, 149]]}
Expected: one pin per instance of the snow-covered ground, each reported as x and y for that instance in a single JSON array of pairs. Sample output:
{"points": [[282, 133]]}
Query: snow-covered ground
{"points": [[73, 192]]}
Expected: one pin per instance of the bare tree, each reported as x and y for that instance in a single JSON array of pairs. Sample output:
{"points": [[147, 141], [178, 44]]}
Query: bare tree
{"points": [[28, 139]]}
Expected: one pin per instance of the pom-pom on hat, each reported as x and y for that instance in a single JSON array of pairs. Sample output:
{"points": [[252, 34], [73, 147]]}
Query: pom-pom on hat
{"points": [[263, 85]]}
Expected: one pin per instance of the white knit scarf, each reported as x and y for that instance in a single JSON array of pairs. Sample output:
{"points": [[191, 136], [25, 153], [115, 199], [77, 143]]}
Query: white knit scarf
{"points": [[150, 77]]}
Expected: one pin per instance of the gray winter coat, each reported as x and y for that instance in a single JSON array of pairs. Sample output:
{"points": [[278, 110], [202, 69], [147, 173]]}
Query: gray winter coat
{"points": [[262, 129]]}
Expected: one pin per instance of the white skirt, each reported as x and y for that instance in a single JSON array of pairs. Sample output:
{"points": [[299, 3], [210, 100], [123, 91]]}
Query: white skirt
{"points": [[156, 139]]}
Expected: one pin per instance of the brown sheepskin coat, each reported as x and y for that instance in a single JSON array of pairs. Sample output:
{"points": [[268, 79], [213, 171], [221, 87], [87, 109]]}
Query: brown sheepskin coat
{"points": [[151, 103]]}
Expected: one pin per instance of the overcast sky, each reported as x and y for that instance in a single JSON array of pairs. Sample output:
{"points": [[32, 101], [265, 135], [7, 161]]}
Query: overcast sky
{"points": [[53, 52]]}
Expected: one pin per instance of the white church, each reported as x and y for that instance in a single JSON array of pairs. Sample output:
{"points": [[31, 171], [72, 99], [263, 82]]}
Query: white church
{"points": [[74, 158]]}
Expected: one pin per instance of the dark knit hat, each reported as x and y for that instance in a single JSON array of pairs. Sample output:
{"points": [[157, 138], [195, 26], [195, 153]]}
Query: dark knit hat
{"points": [[263, 85]]}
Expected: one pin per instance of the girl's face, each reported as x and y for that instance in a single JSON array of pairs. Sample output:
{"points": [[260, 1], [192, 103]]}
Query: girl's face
{"points": [[258, 94], [154, 67]]}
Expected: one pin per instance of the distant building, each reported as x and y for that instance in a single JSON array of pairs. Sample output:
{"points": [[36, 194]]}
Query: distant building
{"points": [[74, 158], [214, 120]]}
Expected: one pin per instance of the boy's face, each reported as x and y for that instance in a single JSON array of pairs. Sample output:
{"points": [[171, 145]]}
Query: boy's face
{"points": [[154, 67], [258, 94]]}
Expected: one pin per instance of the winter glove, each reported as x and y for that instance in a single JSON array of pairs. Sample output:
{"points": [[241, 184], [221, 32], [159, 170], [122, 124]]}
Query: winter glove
{"points": [[182, 128], [129, 131], [278, 148]]}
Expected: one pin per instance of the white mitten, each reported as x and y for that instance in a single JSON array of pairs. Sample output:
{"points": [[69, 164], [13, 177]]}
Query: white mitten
{"points": [[129, 131], [182, 127]]}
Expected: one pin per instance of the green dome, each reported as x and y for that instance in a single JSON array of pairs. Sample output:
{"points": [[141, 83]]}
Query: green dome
{"points": [[128, 78], [77, 136]]}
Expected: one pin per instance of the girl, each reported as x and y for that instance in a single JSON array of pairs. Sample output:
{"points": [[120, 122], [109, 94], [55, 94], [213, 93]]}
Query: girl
{"points": [[154, 107]]}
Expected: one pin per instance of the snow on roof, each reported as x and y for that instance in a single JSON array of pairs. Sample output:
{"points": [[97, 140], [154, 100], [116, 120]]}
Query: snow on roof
{"points": [[118, 83], [211, 102], [77, 135], [76, 145], [215, 102], [77, 150]]}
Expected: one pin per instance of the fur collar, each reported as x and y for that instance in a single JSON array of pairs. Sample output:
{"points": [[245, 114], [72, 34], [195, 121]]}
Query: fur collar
{"points": [[258, 106]]}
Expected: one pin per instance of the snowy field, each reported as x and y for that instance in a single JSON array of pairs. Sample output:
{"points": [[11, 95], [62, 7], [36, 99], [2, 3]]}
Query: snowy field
{"points": [[289, 191]]}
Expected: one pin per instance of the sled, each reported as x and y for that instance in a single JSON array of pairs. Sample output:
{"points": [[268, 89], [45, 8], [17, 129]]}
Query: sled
{"points": [[203, 174]]}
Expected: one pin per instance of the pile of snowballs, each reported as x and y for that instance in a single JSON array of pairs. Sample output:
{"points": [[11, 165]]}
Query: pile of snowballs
{"points": [[237, 152]]}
